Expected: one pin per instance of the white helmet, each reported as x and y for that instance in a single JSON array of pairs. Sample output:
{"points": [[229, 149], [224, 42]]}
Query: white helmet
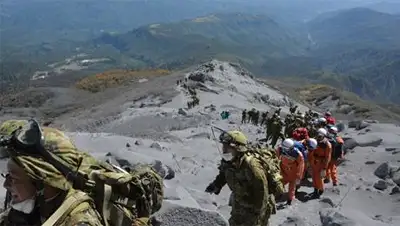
{"points": [[322, 120], [333, 129], [312, 143], [322, 132], [287, 144]]}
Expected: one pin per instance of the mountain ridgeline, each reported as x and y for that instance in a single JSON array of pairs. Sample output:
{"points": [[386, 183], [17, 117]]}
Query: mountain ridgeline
{"points": [[357, 50]]}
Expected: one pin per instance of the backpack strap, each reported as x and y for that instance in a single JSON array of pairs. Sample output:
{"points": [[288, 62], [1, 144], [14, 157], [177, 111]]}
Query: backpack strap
{"points": [[103, 201], [66, 207]]}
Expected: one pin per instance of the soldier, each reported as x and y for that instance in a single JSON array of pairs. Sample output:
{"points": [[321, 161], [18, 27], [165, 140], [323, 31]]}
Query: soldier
{"points": [[264, 116], [244, 114], [256, 117], [277, 126], [250, 116], [247, 178], [38, 190], [293, 109]]}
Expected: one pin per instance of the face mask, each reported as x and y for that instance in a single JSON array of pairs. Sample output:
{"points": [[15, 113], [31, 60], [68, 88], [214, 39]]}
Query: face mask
{"points": [[227, 156], [26, 206]]}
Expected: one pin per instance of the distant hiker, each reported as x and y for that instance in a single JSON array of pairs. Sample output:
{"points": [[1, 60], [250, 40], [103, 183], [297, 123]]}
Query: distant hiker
{"points": [[264, 116], [337, 154], [256, 117], [244, 114], [250, 116], [254, 178], [329, 119], [292, 166], [293, 109], [319, 160]]}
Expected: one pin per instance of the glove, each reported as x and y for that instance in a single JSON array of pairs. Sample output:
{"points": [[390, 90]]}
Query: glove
{"points": [[211, 188], [298, 182], [323, 173]]}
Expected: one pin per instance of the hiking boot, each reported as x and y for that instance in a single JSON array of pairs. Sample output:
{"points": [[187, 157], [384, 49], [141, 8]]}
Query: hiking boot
{"points": [[289, 202], [334, 184], [326, 181], [320, 192]]}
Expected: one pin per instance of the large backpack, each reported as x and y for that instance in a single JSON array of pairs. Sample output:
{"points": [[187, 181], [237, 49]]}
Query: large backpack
{"points": [[300, 146], [271, 165], [121, 197], [337, 146]]}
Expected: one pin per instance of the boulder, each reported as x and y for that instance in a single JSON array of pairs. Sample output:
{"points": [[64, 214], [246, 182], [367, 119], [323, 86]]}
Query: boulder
{"points": [[381, 185], [349, 144], [395, 190], [293, 221], [383, 171], [395, 175], [368, 141], [353, 124], [333, 217], [391, 149], [370, 162], [157, 146], [178, 215], [200, 77], [138, 142], [362, 125], [164, 171], [182, 112]]}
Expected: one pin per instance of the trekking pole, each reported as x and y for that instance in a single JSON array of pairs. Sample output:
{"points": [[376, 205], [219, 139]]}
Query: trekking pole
{"points": [[215, 138]]}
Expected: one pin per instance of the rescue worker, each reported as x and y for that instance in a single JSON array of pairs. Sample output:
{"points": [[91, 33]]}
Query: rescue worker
{"points": [[246, 179], [292, 166], [250, 116], [321, 123], [293, 109], [329, 119], [310, 145], [337, 154], [319, 160], [244, 114], [37, 188], [300, 134]]}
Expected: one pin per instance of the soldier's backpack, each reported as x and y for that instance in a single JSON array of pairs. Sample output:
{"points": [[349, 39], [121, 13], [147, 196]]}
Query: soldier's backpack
{"points": [[337, 146], [271, 165], [121, 197]]}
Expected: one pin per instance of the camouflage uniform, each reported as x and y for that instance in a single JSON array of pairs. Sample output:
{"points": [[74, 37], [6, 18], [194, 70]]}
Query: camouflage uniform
{"points": [[84, 212], [277, 126], [249, 203], [244, 114], [264, 118], [256, 117]]}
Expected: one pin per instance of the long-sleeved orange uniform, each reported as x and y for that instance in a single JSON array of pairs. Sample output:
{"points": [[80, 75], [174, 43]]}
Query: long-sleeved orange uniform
{"points": [[319, 160], [331, 171], [292, 169]]}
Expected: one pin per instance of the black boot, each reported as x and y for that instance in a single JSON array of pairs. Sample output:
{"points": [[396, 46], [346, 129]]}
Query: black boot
{"points": [[327, 181], [289, 202]]}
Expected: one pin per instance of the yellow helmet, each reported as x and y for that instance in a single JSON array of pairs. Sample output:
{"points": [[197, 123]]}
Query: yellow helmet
{"points": [[233, 137]]}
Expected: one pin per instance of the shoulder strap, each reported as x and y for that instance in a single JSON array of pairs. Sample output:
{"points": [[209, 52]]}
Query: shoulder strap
{"points": [[66, 207]]}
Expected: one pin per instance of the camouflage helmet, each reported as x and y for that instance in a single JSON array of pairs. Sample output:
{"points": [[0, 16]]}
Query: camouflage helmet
{"points": [[233, 137], [36, 166]]}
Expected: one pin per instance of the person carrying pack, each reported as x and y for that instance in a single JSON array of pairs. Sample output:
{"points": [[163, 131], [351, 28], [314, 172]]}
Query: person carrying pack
{"points": [[300, 134], [72, 188], [337, 154], [292, 166], [253, 176]]}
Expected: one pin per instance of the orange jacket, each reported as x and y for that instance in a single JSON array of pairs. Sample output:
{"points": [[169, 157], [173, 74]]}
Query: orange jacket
{"points": [[292, 167], [321, 156]]}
